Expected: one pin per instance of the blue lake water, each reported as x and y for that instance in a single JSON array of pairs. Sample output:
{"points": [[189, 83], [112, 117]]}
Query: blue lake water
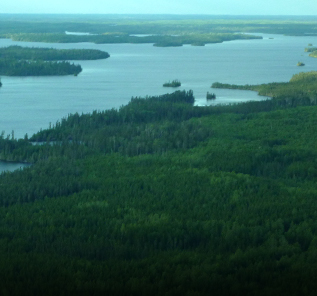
{"points": [[28, 104]]}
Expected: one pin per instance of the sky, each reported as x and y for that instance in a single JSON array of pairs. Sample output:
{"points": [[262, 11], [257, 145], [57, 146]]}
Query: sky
{"points": [[212, 7]]}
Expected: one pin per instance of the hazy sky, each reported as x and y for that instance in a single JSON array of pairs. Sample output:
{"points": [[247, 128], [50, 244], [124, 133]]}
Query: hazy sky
{"points": [[238, 7]]}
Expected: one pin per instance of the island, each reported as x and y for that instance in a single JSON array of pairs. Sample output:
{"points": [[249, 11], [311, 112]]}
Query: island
{"points": [[210, 96], [165, 39], [312, 50], [23, 61], [174, 83], [300, 64], [313, 54]]}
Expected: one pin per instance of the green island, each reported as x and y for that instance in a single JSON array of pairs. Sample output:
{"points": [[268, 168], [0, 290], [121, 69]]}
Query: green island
{"points": [[300, 64], [23, 61], [50, 54], [210, 96], [313, 54], [161, 197], [11, 67], [312, 50], [163, 40], [174, 83]]}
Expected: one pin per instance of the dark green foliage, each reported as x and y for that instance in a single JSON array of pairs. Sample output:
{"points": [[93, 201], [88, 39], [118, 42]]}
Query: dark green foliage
{"points": [[157, 24], [174, 83], [50, 54], [10, 67], [301, 90], [22, 61], [210, 96], [162, 197], [157, 40]]}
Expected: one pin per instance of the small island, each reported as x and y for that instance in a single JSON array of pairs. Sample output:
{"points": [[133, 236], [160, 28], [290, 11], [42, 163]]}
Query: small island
{"points": [[174, 83], [0, 82], [310, 49], [300, 64], [210, 96], [313, 54]]}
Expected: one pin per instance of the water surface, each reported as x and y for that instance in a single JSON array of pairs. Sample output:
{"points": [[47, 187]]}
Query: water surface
{"points": [[28, 104]]}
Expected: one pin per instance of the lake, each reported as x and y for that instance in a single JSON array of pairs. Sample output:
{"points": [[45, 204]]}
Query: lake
{"points": [[28, 104]]}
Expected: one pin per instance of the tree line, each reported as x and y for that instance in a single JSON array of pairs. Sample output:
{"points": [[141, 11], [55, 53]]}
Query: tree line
{"points": [[22, 61], [161, 197]]}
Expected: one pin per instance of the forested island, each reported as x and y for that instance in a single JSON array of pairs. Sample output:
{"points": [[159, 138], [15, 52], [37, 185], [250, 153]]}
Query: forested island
{"points": [[312, 50], [50, 54], [163, 197], [210, 96], [174, 83], [23, 61], [313, 54], [108, 38], [10, 67]]}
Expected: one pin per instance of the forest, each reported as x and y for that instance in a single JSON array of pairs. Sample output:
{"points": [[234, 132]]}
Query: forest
{"points": [[157, 24], [50, 54], [159, 30], [161, 197], [164, 40], [23, 61], [11, 67], [301, 89]]}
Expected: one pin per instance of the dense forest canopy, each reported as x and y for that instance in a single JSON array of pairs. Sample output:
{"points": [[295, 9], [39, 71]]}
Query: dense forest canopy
{"points": [[156, 24], [162, 40], [302, 89], [24, 61], [163, 197], [168, 30], [50, 54]]}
